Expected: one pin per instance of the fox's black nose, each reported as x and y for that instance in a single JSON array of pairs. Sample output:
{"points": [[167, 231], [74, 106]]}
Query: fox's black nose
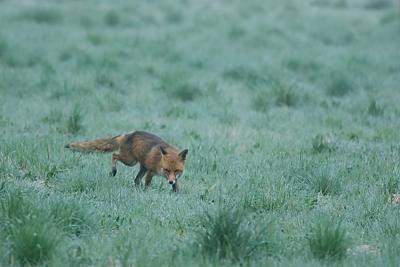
{"points": [[171, 182]]}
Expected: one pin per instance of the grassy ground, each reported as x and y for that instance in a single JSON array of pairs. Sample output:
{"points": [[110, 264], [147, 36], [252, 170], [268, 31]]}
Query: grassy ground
{"points": [[289, 110]]}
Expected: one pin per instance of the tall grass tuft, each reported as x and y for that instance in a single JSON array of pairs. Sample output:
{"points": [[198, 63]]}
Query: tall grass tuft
{"points": [[375, 109], [324, 184], [378, 4], [265, 198], [74, 123], [175, 87], [225, 235], [328, 241], [31, 234], [186, 91], [34, 241], [285, 96], [243, 74], [274, 93], [112, 18], [391, 225], [260, 103], [339, 85], [391, 186], [105, 78], [43, 15], [13, 208]]}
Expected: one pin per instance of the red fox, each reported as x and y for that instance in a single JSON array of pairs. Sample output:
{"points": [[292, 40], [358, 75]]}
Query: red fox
{"points": [[155, 156]]}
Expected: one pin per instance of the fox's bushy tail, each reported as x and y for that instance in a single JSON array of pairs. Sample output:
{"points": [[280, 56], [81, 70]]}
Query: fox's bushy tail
{"points": [[99, 145]]}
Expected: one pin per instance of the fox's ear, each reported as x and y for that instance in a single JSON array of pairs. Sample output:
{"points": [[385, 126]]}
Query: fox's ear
{"points": [[183, 154], [163, 151]]}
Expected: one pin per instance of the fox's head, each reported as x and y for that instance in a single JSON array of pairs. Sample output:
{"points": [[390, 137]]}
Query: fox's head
{"points": [[172, 164]]}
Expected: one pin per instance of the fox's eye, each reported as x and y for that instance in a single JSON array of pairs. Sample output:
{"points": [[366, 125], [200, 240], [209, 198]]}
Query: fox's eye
{"points": [[167, 170]]}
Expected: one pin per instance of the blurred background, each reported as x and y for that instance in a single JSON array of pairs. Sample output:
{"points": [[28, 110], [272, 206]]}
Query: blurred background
{"points": [[131, 64]]}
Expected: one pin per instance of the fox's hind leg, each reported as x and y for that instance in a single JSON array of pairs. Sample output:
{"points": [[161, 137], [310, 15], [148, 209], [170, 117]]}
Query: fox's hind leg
{"points": [[115, 158], [140, 174]]}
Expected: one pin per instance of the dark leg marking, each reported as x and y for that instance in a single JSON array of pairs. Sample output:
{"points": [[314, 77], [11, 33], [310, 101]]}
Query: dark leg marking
{"points": [[113, 172], [114, 159], [140, 174], [147, 180], [175, 187]]}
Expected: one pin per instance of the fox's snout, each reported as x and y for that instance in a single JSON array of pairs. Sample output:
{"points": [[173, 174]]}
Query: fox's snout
{"points": [[171, 179]]}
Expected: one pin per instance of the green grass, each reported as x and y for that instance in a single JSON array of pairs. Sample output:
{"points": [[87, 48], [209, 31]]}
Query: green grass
{"points": [[227, 236], [31, 236], [33, 242], [339, 85], [289, 110], [324, 183], [74, 122], [328, 241], [70, 217]]}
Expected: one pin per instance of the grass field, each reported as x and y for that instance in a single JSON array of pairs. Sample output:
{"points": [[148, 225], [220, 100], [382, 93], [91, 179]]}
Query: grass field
{"points": [[290, 110]]}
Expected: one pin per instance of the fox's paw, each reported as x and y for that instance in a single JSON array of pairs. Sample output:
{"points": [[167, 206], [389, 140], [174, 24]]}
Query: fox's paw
{"points": [[175, 188], [113, 172]]}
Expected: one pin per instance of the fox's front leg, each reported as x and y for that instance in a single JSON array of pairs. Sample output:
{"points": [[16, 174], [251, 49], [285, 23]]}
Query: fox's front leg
{"points": [[140, 174], [175, 187], [147, 180], [114, 159]]}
